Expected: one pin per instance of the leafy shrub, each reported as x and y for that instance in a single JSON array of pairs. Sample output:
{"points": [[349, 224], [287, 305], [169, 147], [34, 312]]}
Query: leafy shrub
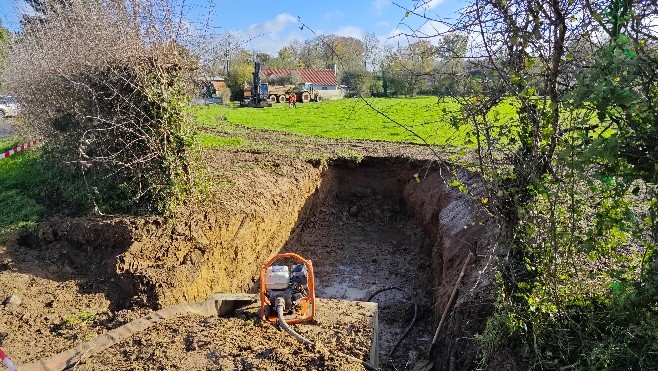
{"points": [[112, 86]]}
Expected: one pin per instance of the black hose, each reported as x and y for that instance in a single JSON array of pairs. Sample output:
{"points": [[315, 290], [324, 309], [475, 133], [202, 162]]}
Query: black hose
{"points": [[280, 304], [413, 320]]}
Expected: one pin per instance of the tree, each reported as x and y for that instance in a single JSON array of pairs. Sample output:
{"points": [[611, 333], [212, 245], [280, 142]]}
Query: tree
{"points": [[263, 58], [311, 54], [408, 70], [357, 78], [44, 7], [563, 179], [622, 85], [345, 51], [289, 55], [112, 100], [553, 176], [449, 73], [4, 41], [241, 72], [371, 50]]}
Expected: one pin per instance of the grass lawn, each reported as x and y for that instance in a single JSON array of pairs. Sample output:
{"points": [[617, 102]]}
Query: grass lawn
{"points": [[20, 177], [353, 119], [8, 143]]}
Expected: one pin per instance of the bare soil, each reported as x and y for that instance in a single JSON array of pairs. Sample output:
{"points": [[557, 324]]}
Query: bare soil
{"points": [[363, 220], [244, 342]]}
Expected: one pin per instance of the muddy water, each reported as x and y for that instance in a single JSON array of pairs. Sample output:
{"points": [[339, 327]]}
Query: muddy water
{"points": [[362, 242]]}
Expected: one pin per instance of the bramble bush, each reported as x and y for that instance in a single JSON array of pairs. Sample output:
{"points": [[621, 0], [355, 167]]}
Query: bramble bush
{"points": [[106, 83]]}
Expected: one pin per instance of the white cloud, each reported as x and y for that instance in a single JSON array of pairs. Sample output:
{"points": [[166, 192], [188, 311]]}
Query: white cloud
{"points": [[351, 31], [272, 26], [427, 30], [432, 28], [335, 15], [270, 36], [379, 5], [431, 4], [272, 46]]}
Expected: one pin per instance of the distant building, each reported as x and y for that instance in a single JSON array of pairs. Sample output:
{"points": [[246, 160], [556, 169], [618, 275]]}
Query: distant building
{"points": [[210, 90], [323, 80], [217, 82]]}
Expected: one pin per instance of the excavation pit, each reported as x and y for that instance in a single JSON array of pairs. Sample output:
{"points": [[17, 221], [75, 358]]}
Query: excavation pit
{"points": [[367, 225], [362, 240]]}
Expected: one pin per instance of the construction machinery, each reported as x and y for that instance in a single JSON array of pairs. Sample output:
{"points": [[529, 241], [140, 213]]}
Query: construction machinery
{"points": [[287, 289], [280, 93], [261, 94], [256, 95], [305, 93]]}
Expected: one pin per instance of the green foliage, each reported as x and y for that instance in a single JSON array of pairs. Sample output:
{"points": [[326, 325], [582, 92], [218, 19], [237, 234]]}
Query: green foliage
{"points": [[358, 79], [240, 73], [83, 317], [18, 210], [112, 102], [8, 143], [134, 156], [574, 181], [623, 90], [615, 330], [32, 185]]}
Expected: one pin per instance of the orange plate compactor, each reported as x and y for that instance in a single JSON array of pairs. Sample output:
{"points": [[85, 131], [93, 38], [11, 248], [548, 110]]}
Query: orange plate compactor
{"points": [[291, 284]]}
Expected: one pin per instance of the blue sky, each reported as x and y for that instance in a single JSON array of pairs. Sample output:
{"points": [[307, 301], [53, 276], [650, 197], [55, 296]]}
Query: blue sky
{"points": [[273, 24]]}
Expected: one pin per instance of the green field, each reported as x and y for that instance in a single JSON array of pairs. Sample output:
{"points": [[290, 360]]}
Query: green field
{"points": [[354, 119], [20, 178]]}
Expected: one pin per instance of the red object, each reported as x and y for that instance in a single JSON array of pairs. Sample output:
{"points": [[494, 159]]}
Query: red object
{"points": [[7, 361], [323, 76], [22, 147]]}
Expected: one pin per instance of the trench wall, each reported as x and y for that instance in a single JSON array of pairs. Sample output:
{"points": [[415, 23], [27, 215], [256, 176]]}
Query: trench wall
{"points": [[457, 225], [218, 250]]}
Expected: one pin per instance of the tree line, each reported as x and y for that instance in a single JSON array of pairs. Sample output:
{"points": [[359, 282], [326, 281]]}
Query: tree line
{"points": [[365, 66]]}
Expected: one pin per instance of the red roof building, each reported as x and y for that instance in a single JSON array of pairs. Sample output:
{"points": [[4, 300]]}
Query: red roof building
{"points": [[324, 79]]}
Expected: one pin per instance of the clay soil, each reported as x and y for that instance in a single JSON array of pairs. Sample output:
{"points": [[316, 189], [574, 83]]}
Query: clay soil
{"points": [[360, 238]]}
